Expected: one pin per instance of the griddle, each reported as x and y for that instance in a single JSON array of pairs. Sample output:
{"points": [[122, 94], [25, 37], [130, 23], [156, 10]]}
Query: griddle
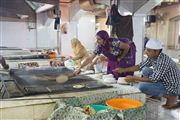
{"points": [[25, 57], [27, 82]]}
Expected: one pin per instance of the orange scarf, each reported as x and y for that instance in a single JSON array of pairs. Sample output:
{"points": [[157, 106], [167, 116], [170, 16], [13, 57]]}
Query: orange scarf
{"points": [[78, 50]]}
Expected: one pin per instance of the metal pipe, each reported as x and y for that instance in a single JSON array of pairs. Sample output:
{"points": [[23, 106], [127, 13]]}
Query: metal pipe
{"points": [[58, 33]]}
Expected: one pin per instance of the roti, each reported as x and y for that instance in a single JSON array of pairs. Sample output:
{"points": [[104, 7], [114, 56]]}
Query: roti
{"points": [[61, 78], [78, 86]]}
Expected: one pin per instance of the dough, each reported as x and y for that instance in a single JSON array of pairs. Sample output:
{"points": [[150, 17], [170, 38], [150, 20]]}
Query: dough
{"points": [[109, 80], [78, 86], [121, 80], [61, 78]]}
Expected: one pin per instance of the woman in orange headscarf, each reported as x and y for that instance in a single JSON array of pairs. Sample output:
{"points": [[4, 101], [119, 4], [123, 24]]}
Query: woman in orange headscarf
{"points": [[80, 52]]}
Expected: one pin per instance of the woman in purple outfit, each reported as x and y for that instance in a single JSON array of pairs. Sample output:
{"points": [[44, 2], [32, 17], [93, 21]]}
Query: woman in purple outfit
{"points": [[119, 53]]}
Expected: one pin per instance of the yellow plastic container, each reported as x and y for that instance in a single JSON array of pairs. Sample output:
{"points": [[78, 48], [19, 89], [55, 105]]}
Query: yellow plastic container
{"points": [[123, 104]]}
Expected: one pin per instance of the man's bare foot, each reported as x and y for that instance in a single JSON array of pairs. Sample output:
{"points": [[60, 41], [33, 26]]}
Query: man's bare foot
{"points": [[177, 105], [171, 102], [168, 106], [164, 105]]}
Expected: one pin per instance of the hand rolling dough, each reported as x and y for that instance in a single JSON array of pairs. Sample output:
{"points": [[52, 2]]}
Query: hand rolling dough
{"points": [[61, 78]]}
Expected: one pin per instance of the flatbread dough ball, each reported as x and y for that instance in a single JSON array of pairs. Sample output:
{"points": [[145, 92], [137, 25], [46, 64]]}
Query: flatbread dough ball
{"points": [[61, 78]]}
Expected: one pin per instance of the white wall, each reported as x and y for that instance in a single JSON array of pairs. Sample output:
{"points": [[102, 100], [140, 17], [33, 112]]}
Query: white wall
{"points": [[139, 34], [46, 35], [16, 34], [82, 28], [86, 31], [66, 38]]}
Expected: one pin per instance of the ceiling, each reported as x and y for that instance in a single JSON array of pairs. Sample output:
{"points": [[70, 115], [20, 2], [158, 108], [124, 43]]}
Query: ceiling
{"points": [[10, 8], [13, 8], [130, 5], [98, 7]]}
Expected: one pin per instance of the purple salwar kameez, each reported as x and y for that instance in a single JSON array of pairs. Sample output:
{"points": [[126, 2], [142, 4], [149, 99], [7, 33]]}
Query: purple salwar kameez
{"points": [[112, 51]]}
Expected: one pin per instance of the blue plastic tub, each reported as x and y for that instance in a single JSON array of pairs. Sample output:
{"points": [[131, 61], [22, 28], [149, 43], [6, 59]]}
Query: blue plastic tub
{"points": [[97, 107]]}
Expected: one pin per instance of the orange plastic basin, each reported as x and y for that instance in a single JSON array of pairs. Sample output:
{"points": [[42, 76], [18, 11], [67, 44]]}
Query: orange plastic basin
{"points": [[52, 55], [123, 104]]}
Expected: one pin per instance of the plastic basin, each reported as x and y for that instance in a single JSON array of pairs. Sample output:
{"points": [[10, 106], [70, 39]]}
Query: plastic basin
{"points": [[123, 104], [97, 107]]}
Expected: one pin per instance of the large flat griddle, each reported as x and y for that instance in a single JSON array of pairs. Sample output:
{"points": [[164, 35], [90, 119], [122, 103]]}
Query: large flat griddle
{"points": [[42, 80], [24, 57]]}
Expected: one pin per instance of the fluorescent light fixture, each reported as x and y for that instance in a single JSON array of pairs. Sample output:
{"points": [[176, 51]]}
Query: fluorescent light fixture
{"points": [[127, 13], [39, 7], [22, 16], [44, 8]]}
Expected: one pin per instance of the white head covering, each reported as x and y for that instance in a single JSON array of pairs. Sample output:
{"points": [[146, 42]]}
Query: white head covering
{"points": [[154, 44]]}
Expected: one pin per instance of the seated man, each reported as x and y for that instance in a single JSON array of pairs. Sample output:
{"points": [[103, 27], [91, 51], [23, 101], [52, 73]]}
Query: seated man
{"points": [[162, 80], [3, 63]]}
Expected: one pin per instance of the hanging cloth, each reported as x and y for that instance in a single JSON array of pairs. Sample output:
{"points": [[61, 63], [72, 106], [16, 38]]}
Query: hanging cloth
{"points": [[122, 26], [113, 17]]}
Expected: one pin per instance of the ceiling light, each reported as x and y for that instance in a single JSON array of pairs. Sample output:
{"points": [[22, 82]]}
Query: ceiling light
{"points": [[44, 8], [22, 16]]}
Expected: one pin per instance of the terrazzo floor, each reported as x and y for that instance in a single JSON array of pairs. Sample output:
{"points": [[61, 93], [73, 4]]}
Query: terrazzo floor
{"points": [[160, 113]]}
